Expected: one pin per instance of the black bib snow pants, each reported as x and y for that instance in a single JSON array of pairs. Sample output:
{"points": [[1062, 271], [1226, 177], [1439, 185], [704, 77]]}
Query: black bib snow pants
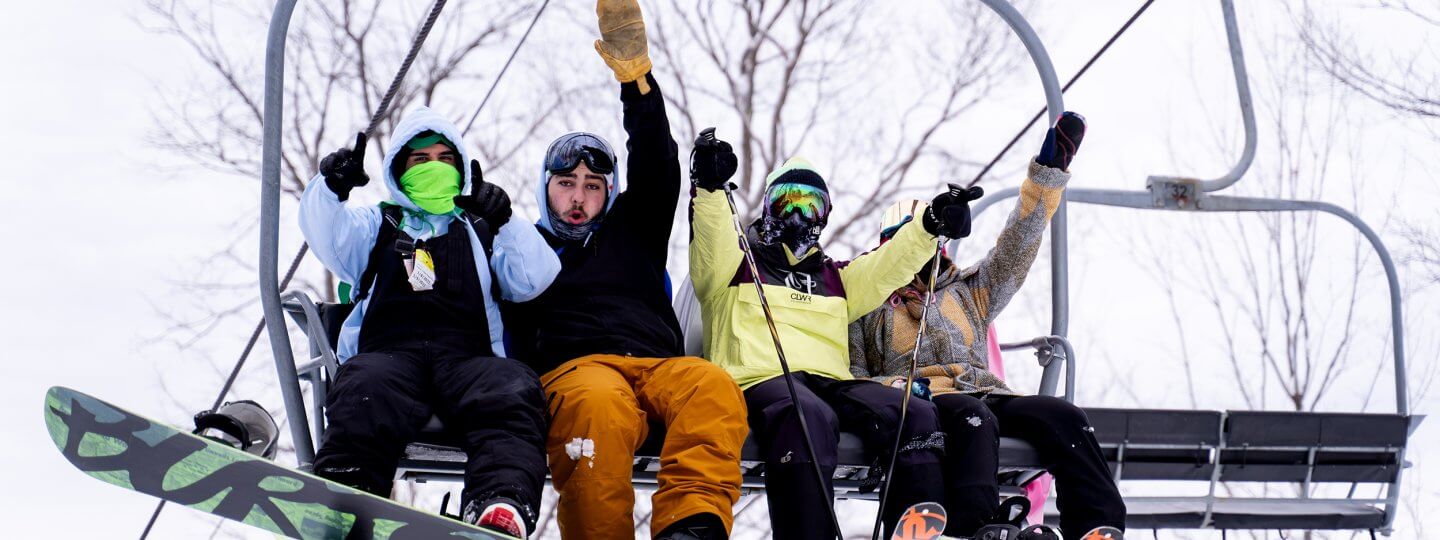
{"points": [[1086, 493], [865, 408], [428, 352]]}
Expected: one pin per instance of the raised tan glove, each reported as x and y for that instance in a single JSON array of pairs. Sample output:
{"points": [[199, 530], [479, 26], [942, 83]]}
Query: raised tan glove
{"points": [[622, 41]]}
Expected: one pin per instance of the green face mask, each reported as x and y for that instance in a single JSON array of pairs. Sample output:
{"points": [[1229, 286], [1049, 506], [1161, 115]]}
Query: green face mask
{"points": [[432, 186]]}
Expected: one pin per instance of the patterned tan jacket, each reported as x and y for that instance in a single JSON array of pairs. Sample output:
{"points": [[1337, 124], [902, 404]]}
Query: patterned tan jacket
{"points": [[954, 352]]}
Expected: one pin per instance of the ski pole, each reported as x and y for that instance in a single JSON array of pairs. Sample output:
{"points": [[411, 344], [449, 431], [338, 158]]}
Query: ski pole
{"points": [[779, 351], [905, 399]]}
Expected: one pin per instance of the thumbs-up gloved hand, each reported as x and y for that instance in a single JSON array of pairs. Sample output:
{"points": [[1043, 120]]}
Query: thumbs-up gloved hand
{"points": [[949, 213], [713, 162], [486, 201]]}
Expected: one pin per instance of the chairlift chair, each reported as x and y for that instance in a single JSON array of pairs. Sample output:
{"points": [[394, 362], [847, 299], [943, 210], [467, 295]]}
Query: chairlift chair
{"points": [[435, 455], [1213, 447], [1297, 448]]}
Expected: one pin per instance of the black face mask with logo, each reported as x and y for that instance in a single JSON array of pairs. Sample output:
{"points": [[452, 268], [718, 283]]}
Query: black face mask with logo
{"points": [[793, 230], [808, 276]]}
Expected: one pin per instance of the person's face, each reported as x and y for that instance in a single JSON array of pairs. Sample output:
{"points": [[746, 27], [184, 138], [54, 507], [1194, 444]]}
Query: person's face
{"points": [[435, 152], [577, 196]]}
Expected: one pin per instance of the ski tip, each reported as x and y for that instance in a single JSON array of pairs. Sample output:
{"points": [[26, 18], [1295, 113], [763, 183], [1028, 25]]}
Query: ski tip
{"points": [[921, 521]]}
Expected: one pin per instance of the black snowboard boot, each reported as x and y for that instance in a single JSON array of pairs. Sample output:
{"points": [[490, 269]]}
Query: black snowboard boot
{"points": [[696, 527]]}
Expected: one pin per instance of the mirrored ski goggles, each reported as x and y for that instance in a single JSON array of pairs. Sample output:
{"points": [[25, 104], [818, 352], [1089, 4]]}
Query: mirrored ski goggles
{"points": [[567, 153], [809, 201]]}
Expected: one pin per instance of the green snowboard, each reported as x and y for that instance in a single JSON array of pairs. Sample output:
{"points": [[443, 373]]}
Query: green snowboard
{"points": [[130, 451]]}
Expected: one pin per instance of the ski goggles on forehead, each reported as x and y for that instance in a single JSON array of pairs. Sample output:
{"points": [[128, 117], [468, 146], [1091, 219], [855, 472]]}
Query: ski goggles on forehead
{"points": [[567, 154], [809, 201]]}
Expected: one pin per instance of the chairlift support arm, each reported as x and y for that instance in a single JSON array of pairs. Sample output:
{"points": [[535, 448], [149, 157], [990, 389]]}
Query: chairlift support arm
{"points": [[270, 233], [1247, 117]]}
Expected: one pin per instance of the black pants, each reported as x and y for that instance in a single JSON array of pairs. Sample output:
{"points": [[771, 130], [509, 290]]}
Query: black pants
{"points": [[865, 408], [380, 400], [1060, 433]]}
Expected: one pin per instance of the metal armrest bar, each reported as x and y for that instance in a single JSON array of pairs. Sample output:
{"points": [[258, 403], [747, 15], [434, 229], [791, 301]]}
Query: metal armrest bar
{"points": [[308, 370], [314, 329], [1045, 352], [321, 351]]}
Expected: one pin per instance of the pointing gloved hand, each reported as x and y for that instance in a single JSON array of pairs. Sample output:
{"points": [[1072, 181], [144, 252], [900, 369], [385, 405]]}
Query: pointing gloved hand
{"points": [[713, 161], [344, 169], [949, 213], [485, 201], [1062, 141], [622, 41]]}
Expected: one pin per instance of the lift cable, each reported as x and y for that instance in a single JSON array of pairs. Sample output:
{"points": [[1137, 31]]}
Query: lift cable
{"points": [[1072, 80], [504, 68]]}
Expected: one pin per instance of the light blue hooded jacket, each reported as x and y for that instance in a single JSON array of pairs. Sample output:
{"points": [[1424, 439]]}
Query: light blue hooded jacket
{"points": [[342, 236]]}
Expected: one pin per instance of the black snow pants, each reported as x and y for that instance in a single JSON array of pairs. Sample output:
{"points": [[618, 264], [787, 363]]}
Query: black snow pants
{"points": [[865, 408], [1061, 434], [424, 353], [380, 401]]}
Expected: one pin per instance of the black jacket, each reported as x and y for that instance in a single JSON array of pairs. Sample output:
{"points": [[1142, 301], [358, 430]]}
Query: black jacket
{"points": [[610, 296]]}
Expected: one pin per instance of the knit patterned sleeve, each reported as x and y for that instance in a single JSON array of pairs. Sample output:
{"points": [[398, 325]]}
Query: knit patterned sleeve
{"points": [[996, 278]]}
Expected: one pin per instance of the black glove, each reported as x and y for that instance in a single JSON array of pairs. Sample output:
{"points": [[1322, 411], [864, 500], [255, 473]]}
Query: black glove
{"points": [[485, 201], [712, 162], [344, 169], [1062, 141], [949, 213]]}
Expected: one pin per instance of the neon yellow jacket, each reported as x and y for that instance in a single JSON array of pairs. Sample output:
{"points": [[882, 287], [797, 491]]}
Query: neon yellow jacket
{"points": [[812, 312]]}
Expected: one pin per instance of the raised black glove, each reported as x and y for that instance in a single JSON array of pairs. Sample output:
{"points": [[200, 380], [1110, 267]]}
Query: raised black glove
{"points": [[1062, 141], [344, 169], [712, 162], [949, 213], [485, 201]]}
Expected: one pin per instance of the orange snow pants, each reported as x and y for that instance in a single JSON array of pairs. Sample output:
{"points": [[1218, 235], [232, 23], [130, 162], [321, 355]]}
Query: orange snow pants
{"points": [[599, 411]]}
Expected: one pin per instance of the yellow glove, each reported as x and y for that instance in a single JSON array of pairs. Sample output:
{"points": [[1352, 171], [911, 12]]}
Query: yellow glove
{"points": [[622, 41]]}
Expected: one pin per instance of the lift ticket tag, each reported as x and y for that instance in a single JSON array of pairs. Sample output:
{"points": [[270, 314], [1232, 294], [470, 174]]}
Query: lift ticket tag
{"points": [[422, 275]]}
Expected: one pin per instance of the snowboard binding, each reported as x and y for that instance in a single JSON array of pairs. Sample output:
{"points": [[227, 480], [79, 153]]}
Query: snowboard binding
{"points": [[244, 425], [1005, 531], [1008, 523]]}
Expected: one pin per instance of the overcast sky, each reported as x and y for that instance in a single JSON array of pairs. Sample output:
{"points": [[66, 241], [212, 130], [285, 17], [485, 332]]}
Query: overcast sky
{"points": [[105, 226]]}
